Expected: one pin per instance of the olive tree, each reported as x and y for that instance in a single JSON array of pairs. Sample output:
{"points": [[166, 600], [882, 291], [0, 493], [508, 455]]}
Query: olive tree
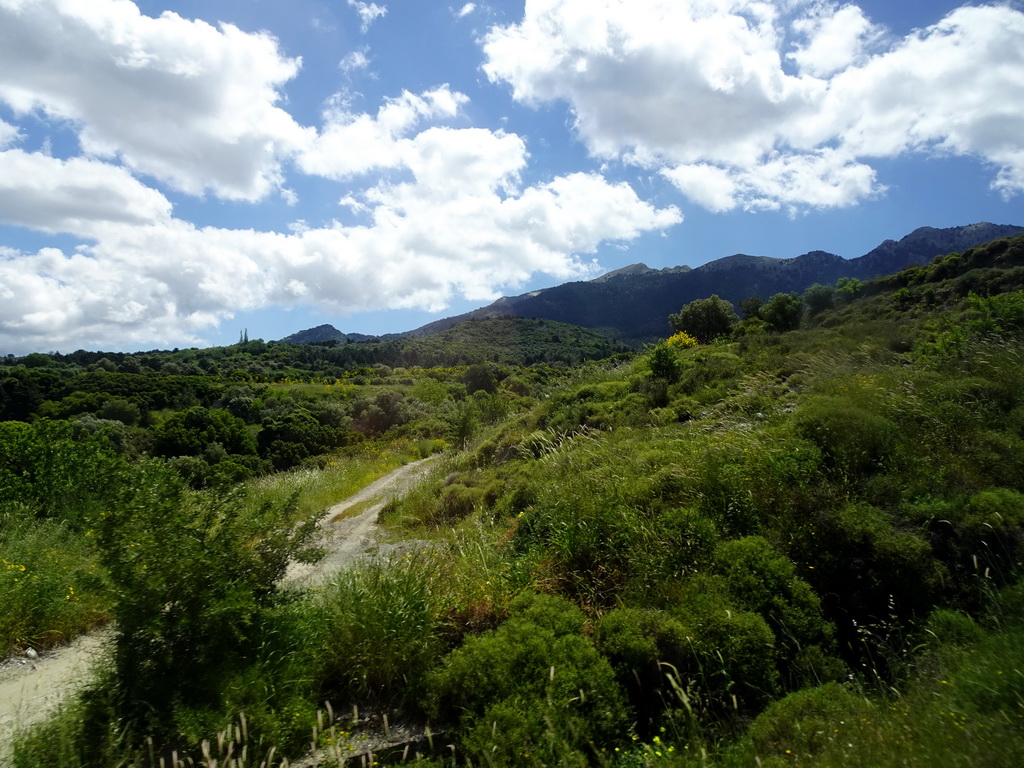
{"points": [[705, 319]]}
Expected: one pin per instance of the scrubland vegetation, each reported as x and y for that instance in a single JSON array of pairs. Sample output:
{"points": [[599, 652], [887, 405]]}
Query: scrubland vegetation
{"points": [[789, 539]]}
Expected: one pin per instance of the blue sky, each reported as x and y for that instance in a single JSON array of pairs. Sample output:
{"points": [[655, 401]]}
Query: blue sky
{"points": [[174, 172]]}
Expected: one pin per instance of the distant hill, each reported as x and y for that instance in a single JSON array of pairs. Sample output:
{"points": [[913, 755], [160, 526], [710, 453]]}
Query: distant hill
{"points": [[507, 339], [631, 304], [324, 333], [516, 340]]}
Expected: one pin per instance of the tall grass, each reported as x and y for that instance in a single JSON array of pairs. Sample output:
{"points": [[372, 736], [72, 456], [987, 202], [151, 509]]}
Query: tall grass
{"points": [[52, 587]]}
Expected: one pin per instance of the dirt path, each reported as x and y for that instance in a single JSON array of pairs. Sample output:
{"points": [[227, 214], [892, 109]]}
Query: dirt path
{"points": [[351, 538], [30, 688]]}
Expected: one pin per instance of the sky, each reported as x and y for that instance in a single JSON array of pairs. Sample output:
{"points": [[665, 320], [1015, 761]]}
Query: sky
{"points": [[175, 173]]}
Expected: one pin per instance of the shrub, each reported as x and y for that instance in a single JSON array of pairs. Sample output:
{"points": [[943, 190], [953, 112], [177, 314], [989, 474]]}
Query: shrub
{"points": [[948, 627], [664, 363], [736, 662], [868, 571], [456, 501], [854, 439], [806, 722], [51, 586], [192, 575], [531, 685], [762, 580], [681, 340], [638, 643], [992, 531], [685, 540]]}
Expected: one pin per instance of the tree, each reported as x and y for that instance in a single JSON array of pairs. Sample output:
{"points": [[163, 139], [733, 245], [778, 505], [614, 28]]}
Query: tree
{"points": [[817, 298], [189, 432], [705, 319], [193, 578], [848, 289], [751, 307], [664, 363], [481, 376], [782, 312]]}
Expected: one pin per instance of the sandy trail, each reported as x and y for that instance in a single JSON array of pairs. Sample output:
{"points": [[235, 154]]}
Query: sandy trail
{"points": [[351, 538], [30, 689]]}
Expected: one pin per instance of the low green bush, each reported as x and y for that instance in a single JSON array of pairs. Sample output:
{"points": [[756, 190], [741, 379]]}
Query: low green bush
{"points": [[643, 646], [735, 659], [854, 439], [532, 689], [865, 566], [806, 722], [762, 580]]}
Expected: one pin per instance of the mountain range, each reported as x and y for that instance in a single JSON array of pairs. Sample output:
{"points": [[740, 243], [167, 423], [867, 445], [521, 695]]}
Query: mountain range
{"points": [[632, 304]]}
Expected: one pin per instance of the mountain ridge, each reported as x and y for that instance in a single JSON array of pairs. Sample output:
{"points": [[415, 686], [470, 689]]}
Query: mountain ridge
{"points": [[632, 303]]}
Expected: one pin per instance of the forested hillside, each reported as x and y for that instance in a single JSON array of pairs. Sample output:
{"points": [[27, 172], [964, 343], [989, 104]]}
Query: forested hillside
{"points": [[789, 534]]}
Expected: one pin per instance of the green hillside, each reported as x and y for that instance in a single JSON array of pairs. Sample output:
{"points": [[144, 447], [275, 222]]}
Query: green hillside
{"points": [[799, 543]]}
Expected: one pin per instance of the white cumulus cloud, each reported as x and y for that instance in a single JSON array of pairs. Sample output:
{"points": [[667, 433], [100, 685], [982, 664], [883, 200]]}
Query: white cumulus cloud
{"points": [[368, 13], [354, 61], [454, 221], [702, 91], [193, 105], [77, 195], [833, 39], [354, 143], [9, 134]]}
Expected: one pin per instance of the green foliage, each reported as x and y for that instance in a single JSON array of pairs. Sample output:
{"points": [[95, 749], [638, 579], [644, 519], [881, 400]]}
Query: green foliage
{"points": [[532, 690], [848, 288], [804, 723], [481, 377], [951, 628], [782, 312], [722, 520], [870, 572], [51, 586], [705, 319], [664, 363], [378, 632], [191, 577], [56, 470], [751, 307], [854, 439], [644, 646], [190, 432], [288, 440], [383, 411], [762, 580], [818, 298], [735, 657]]}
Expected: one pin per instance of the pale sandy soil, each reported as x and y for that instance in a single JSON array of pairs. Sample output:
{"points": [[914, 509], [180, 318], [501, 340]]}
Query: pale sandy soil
{"points": [[352, 538], [30, 688]]}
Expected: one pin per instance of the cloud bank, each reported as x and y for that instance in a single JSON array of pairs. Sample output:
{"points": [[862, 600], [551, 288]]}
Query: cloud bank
{"points": [[742, 103], [199, 109]]}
